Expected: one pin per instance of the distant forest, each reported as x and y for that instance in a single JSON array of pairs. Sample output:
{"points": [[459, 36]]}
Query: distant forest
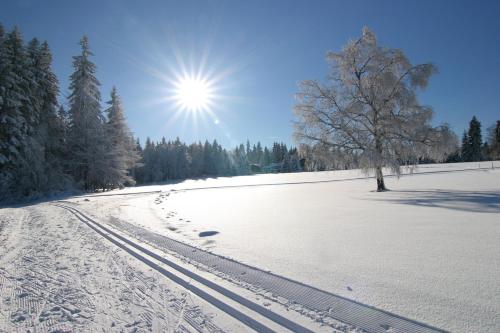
{"points": [[46, 148], [166, 160]]}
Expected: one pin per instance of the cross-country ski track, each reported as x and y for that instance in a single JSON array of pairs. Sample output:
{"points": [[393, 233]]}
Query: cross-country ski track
{"points": [[251, 314]]}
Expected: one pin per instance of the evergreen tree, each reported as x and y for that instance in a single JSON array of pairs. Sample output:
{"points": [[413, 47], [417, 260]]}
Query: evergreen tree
{"points": [[17, 114], [137, 172], [121, 146], [259, 158], [7, 147], [466, 148], [32, 137], [148, 160], [486, 151], [86, 124], [63, 119], [182, 165], [50, 130], [267, 157], [475, 140], [13, 90], [494, 141], [496, 133], [241, 160], [248, 150]]}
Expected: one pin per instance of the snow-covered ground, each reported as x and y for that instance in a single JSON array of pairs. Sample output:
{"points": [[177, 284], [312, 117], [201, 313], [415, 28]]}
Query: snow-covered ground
{"points": [[428, 250], [57, 275]]}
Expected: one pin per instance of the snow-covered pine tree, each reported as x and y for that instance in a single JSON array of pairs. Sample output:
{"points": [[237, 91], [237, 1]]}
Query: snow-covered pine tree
{"points": [[486, 151], [208, 159], [267, 157], [137, 171], [122, 148], [475, 140], [182, 163], [61, 146], [465, 149], [89, 159], [195, 152], [31, 173], [50, 131], [494, 140], [260, 154], [17, 113], [5, 153]]}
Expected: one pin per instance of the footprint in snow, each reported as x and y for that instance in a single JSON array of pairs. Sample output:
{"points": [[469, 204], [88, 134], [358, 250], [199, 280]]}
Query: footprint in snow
{"points": [[207, 233], [208, 242], [386, 327]]}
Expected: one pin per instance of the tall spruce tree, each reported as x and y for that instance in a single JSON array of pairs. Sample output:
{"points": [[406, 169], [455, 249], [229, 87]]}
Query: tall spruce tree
{"points": [[17, 114], [52, 117], [13, 90], [122, 148], [475, 140], [86, 137], [465, 152], [7, 117], [49, 131], [29, 124], [494, 141]]}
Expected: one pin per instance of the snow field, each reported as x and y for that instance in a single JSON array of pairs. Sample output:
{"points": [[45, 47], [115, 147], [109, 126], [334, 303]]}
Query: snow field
{"points": [[427, 250]]}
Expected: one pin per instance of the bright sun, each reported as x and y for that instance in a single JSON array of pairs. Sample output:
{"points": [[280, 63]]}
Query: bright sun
{"points": [[193, 94]]}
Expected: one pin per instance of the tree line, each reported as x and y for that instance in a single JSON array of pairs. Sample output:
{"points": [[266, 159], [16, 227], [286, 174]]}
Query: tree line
{"points": [[166, 160], [473, 148]]}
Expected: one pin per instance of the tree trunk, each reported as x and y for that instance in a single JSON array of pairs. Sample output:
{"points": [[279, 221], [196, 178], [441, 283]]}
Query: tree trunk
{"points": [[380, 179]]}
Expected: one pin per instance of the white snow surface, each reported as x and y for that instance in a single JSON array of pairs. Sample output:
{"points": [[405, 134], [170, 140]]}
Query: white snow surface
{"points": [[429, 249]]}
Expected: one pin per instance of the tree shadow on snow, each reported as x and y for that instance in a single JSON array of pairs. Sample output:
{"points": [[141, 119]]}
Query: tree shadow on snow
{"points": [[467, 201]]}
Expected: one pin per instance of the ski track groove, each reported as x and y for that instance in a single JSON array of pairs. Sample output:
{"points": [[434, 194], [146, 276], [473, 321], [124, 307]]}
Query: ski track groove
{"points": [[38, 294], [235, 313], [336, 307]]}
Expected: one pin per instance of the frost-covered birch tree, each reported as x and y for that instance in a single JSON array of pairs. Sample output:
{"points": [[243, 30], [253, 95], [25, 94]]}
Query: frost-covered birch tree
{"points": [[369, 107]]}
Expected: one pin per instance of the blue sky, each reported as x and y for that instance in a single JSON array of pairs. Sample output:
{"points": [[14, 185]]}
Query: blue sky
{"points": [[257, 52]]}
